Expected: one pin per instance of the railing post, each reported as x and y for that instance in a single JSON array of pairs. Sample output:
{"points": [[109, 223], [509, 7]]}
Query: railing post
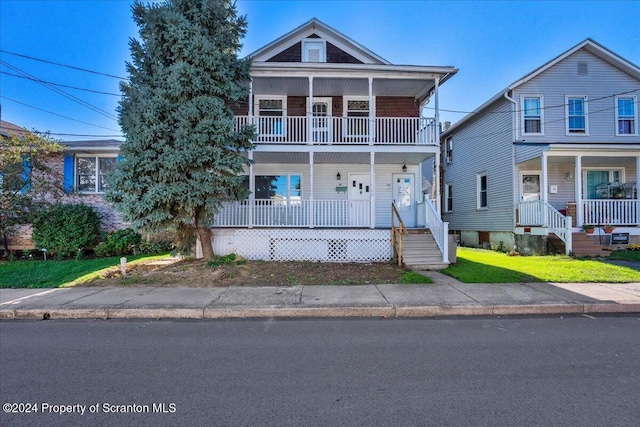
{"points": [[568, 243], [445, 244]]}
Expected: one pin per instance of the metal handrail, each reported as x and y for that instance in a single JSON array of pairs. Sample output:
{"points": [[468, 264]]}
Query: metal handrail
{"points": [[396, 234]]}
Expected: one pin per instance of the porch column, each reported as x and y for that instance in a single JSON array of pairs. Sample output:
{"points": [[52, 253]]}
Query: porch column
{"points": [[311, 211], [578, 183], [544, 195], [372, 191], [252, 194], [372, 124], [436, 108], [637, 184], [250, 112], [310, 113], [436, 184]]}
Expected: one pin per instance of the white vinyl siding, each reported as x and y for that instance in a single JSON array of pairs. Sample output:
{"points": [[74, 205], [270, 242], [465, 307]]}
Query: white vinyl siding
{"points": [[626, 115]]}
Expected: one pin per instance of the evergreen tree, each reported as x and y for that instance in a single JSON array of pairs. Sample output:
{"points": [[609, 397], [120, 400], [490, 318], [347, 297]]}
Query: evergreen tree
{"points": [[182, 157]]}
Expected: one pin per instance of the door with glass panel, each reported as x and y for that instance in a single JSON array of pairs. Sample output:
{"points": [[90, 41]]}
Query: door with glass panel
{"points": [[321, 120]]}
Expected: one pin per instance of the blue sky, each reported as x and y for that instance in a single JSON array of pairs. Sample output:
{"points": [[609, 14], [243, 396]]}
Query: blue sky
{"points": [[493, 43]]}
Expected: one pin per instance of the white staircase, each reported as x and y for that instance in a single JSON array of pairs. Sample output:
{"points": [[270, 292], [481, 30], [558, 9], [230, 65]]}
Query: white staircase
{"points": [[420, 251]]}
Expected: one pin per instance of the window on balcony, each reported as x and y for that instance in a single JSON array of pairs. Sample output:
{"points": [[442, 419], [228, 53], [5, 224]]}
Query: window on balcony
{"points": [[626, 115], [92, 173], [356, 112], [577, 118], [271, 112], [532, 115], [593, 178], [280, 189]]}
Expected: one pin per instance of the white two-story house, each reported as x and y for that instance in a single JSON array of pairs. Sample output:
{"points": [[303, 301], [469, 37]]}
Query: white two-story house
{"points": [[340, 139], [556, 150]]}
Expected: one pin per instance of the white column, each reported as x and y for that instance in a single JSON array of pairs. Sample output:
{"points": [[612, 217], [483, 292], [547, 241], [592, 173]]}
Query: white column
{"points": [[372, 191], [436, 108], [310, 113], [544, 195], [637, 184], [311, 210], [372, 124], [250, 112], [252, 194], [436, 183], [577, 173]]}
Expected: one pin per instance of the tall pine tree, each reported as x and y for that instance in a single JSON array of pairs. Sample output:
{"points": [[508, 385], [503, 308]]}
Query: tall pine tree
{"points": [[182, 157]]}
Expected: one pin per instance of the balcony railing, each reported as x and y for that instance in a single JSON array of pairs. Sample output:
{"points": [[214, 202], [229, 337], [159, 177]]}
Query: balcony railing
{"points": [[343, 130], [294, 213], [611, 211]]}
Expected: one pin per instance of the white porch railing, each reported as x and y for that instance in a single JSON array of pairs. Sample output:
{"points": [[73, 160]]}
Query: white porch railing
{"points": [[294, 213], [611, 211], [343, 130], [541, 213], [439, 229]]}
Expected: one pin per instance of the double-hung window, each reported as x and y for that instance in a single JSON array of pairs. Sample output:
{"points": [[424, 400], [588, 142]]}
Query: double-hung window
{"points": [[448, 194], [356, 111], [271, 112], [482, 191], [92, 173], [448, 150], [532, 115], [577, 115], [626, 115]]}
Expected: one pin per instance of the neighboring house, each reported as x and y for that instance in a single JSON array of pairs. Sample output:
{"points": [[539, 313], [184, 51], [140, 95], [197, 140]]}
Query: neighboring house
{"points": [[340, 139], [83, 167], [563, 141]]}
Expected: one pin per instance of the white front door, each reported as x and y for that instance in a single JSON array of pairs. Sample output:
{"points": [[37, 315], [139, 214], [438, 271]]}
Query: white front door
{"points": [[530, 213], [321, 120], [404, 198], [359, 192]]}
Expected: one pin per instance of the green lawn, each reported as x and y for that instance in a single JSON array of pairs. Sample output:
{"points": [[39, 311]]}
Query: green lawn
{"points": [[484, 266], [54, 274]]}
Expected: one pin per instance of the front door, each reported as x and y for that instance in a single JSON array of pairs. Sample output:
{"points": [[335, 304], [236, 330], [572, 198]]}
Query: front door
{"points": [[530, 213], [359, 192], [321, 120], [404, 198]]}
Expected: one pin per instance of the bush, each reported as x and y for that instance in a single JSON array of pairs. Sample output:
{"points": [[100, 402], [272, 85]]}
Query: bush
{"points": [[63, 228], [119, 242], [154, 247]]}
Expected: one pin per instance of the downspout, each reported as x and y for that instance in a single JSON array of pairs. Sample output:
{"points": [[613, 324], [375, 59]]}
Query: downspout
{"points": [[514, 135]]}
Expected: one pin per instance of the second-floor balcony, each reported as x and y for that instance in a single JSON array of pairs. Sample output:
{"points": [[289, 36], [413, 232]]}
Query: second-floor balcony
{"points": [[328, 130]]}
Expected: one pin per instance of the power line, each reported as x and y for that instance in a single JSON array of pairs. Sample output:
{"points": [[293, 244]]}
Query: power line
{"points": [[63, 93], [56, 114], [61, 85], [63, 65]]}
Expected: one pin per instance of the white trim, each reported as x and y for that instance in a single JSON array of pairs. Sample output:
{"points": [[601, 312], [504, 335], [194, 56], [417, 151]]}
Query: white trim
{"points": [[306, 47], [635, 115], [522, 116], [479, 176], [609, 169], [76, 181], [528, 172], [256, 107], [447, 194], [585, 103], [370, 113], [448, 153]]}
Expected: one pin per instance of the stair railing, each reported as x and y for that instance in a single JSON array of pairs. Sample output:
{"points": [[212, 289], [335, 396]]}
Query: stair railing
{"points": [[396, 234], [439, 229]]}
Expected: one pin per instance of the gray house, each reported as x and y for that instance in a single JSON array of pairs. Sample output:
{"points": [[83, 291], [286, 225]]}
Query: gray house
{"points": [[557, 150]]}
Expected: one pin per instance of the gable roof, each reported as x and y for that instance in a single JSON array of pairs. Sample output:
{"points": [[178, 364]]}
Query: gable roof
{"points": [[319, 28], [7, 129], [588, 44]]}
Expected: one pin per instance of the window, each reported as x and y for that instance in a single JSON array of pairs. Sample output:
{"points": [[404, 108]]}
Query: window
{"points": [[595, 179], [92, 173], [271, 112], [314, 50], [448, 194], [356, 112], [280, 189], [576, 115], [626, 115], [532, 115], [448, 150], [481, 183]]}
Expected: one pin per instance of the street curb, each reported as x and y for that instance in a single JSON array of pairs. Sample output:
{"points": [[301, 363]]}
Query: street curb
{"points": [[239, 312]]}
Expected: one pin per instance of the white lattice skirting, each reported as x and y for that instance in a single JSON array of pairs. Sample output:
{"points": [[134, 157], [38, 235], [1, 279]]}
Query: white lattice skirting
{"points": [[344, 245]]}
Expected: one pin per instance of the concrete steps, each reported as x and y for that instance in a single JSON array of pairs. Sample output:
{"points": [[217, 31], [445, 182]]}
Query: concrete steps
{"points": [[420, 251]]}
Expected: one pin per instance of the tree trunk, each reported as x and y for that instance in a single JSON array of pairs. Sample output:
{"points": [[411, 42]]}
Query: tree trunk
{"points": [[205, 240]]}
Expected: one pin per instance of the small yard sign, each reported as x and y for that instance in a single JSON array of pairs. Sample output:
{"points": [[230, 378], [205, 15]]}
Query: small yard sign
{"points": [[619, 238]]}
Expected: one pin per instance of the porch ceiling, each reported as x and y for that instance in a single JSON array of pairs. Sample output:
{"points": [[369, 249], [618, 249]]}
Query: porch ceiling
{"points": [[340, 158], [333, 86]]}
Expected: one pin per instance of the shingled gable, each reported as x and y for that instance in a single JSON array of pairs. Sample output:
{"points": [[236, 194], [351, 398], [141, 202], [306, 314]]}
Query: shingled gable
{"points": [[340, 48], [588, 44]]}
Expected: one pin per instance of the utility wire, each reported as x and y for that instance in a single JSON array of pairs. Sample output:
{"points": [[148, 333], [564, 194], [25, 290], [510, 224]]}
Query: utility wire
{"points": [[60, 85], [63, 65], [61, 92], [56, 114]]}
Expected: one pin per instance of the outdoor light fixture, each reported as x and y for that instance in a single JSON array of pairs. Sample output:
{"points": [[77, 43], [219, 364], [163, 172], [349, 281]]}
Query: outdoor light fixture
{"points": [[338, 177], [404, 168]]}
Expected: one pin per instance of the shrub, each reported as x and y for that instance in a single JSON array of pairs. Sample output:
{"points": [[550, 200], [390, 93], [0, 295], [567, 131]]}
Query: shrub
{"points": [[149, 248], [120, 242], [63, 228]]}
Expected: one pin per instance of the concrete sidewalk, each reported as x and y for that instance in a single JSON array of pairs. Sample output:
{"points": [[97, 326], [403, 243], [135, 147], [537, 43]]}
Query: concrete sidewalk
{"points": [[445, 297]]}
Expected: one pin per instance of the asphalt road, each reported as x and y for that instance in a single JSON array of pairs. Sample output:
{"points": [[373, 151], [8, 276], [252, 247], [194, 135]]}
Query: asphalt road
{"points": [[468, 372]]}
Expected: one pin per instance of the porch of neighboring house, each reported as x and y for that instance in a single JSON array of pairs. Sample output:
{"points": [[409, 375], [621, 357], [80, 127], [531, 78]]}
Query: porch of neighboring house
{"points": [[586, 202]]}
